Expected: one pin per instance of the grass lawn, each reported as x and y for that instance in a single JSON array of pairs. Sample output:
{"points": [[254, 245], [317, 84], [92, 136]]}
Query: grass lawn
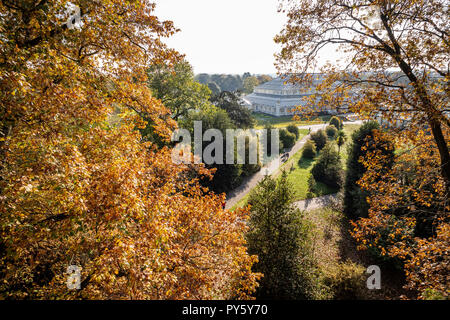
{"points": [[284, 121], [299, 170], [302, 133]]}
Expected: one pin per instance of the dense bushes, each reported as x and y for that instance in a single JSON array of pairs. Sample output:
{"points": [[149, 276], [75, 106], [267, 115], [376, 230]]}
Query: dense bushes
{"points": [[320, 139], [336, 122], [287, 138], [294, 129], [355, 203], [331, 131], [328, 168], [309, 150], [248, 168], [227, 176]]}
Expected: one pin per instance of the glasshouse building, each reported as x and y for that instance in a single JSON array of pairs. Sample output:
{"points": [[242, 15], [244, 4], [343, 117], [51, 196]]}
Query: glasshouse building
{"points": [[277, 97]]}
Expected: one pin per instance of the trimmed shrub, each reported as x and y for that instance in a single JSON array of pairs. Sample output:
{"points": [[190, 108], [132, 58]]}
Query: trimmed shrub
{"points": [[336, 122], [319, 138], [328, 168], [340, 139], [294, 129], [309, 150], [247, 168], [331, 131], [287, 138]]}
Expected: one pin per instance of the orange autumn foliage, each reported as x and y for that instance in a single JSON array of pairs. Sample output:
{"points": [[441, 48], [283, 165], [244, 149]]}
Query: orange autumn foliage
{"points": [[77, 184], [408, 194], [392, 68]]}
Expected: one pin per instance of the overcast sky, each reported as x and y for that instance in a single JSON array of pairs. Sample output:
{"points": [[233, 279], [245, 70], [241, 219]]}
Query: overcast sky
{"points": [[225, 36]]}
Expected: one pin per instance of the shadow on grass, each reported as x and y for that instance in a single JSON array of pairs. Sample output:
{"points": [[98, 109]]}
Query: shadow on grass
{"points": [[305, 163], [322, 189], [319, 189]]}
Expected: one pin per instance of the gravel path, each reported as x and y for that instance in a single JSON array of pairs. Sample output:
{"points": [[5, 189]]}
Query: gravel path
{"points": [[316, 203]]}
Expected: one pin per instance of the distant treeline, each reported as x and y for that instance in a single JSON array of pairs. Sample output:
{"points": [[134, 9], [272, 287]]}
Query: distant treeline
{"points": [[229, 82]]}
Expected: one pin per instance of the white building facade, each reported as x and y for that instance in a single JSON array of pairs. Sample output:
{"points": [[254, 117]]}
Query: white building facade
{"points": [[276, 97]]}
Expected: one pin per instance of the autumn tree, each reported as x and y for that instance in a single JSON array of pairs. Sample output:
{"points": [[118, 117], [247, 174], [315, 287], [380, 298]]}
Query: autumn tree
{"points": [[227, 176], [177, 88], [77, 184], [231, 103], [394, 67], [363, 141], [408, 36], [250, 83], [263, 78]]}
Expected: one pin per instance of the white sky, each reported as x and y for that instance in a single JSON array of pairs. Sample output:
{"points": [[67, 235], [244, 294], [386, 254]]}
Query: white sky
{"points": [[225, 36]]}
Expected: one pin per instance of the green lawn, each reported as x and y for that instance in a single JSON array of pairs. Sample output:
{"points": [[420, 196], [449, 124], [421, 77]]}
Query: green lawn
{"points": [[284, 121], [302, 133], [299, 170]]}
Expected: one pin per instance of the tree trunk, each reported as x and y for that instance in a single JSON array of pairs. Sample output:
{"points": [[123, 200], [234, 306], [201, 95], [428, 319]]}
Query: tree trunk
{"points": [[432, 121], [443, 151]]}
